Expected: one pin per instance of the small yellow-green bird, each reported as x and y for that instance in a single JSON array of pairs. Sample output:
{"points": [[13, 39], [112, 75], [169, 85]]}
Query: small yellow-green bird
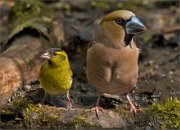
{"points": [[56, 73]]}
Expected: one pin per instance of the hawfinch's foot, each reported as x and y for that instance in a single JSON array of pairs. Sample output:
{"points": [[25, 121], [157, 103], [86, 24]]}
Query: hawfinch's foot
{"points": [[132, 107], [134, 110], [97, 110]]}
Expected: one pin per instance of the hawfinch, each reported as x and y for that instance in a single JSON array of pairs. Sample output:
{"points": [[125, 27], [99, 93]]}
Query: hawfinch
{"points": [[112, 58]]}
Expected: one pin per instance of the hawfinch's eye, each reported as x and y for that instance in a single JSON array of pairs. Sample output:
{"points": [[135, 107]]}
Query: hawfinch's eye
{"points": [[119, 21]]}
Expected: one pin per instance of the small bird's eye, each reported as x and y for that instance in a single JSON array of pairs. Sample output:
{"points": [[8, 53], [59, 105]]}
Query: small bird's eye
{"points": [[119, 21], [55, 54]]}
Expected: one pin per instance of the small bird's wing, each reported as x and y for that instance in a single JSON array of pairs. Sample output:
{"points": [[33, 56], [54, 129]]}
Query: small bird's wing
{"points": [[70, 71]]}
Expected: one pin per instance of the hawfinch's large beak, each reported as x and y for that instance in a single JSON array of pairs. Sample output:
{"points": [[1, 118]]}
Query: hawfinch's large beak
{"points": [[46, 56], [134, 25]]}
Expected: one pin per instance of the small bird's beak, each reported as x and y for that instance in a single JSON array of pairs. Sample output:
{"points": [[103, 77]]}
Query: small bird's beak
{"points": [[46, 56], [134, 25]]}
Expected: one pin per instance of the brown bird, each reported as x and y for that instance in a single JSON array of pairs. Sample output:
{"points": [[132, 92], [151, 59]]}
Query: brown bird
{"points": [[112, 59]]}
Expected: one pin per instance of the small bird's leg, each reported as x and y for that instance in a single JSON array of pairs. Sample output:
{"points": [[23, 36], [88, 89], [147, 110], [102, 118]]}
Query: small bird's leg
{"points": [[97, 107], [69, 100], [132, 109]]}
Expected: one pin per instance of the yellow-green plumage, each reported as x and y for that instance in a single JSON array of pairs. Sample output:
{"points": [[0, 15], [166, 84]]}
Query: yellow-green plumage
{"points": [[56, 74]]}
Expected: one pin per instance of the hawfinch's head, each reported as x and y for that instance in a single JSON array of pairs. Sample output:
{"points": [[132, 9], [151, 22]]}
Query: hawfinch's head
{"points": [[121, 25]]}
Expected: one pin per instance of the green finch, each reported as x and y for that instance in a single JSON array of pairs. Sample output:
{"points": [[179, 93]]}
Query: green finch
{"points": [[56, 73]]}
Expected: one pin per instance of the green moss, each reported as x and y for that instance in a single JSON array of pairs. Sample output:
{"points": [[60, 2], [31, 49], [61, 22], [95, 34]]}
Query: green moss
{"points": [[25, 10], [169, 113], [100, 4], [80, 121], [28, 16], [33, 110], [5, 110], [125, 114], [19, 100], [61, 6], [35, 117], [128, 5], [165, 115], [41, 116], [19, 103]]}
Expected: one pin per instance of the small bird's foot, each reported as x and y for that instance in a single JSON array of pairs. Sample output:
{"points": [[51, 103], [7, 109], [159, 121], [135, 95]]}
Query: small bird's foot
{"points": [[70, 106], [97, 110]]}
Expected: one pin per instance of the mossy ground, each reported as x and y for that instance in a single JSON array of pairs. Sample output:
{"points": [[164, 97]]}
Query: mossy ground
{"points": [[164, 115], [168, 112], [44, 116]]}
